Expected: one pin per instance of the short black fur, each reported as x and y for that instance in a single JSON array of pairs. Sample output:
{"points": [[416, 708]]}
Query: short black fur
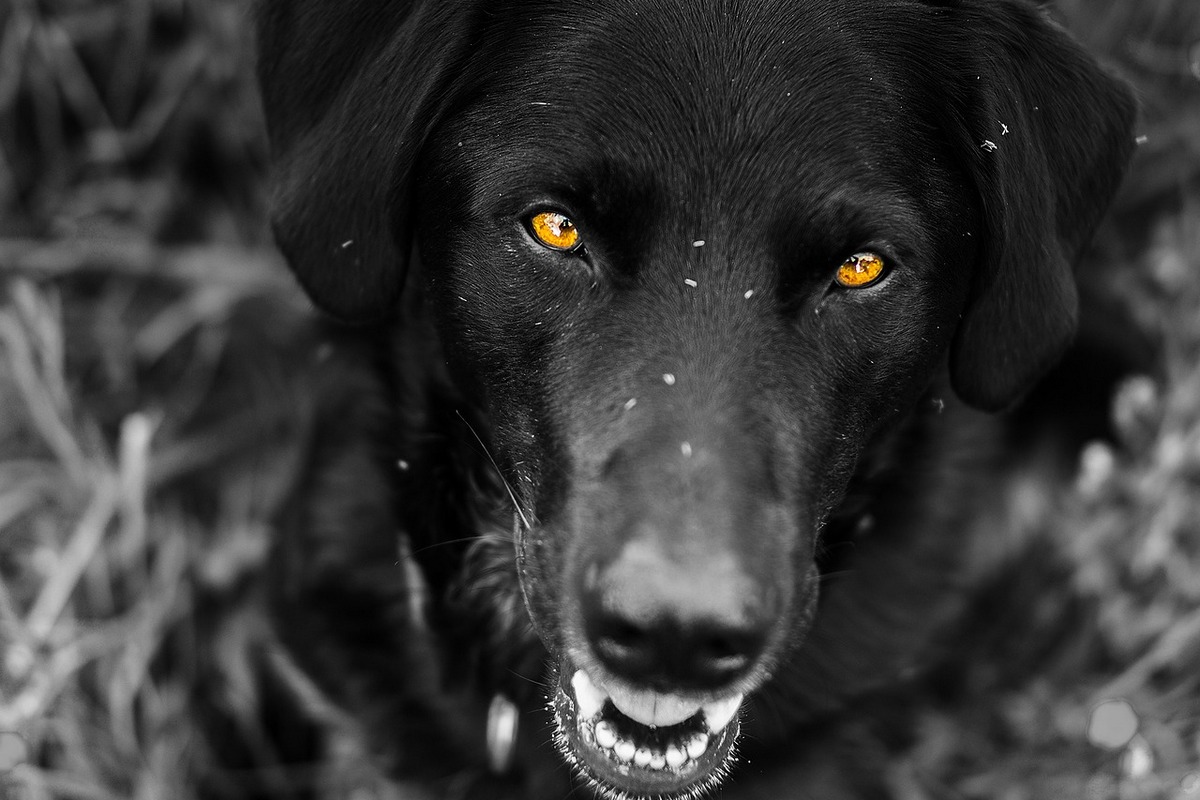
{"points": [[526, 459]]}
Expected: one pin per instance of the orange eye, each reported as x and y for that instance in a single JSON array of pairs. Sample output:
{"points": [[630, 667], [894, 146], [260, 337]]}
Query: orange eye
{"points": [[554, 230], [859, 270]]}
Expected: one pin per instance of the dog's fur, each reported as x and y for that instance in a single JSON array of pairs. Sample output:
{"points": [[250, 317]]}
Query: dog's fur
{"points": [[507, 423]]}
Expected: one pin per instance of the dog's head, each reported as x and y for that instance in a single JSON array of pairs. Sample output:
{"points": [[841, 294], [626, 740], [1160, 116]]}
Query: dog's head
{"points": [[691, 258]]}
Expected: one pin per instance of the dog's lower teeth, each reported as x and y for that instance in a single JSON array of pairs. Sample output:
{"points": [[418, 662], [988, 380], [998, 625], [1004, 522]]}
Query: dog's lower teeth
{"points": [[606, 735], [603, 735], [647, 749]]}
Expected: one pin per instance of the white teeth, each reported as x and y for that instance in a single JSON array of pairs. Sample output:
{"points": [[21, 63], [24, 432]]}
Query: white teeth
{"points": [[717, 715], [676, 755], [653, 709], [606, 735], [587, 695], [603, 734]]}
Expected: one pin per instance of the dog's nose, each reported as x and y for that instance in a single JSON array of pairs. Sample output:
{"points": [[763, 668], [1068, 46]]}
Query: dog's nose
{"points": [[670, 625]]}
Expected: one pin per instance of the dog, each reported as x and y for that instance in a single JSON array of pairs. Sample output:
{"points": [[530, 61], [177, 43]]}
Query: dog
{"points": [[661, 427]]}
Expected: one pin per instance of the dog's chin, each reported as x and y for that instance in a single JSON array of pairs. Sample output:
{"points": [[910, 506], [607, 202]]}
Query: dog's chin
{"points": [[631, 745]]}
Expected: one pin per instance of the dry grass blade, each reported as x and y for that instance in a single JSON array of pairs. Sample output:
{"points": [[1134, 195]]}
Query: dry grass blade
{"points": [[74, 558], [140, 468], [244, 270], [30, 333], [58, 52], [170, 92], [14, 46], [1177, 648]]}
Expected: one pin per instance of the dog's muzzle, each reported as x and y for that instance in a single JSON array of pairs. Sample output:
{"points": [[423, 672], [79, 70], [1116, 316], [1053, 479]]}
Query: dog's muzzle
{"points": [[643, 743]]}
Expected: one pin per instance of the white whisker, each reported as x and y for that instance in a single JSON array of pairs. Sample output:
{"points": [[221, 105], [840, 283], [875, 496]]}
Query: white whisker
{"points": [[507, 487]]}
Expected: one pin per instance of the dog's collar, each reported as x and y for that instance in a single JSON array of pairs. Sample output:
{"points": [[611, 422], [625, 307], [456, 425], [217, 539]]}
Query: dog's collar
{"points": [[502, 723]]}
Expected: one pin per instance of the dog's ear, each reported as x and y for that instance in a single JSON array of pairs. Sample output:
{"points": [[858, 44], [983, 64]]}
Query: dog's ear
{"points": [[349, 92], [1047, 135]]}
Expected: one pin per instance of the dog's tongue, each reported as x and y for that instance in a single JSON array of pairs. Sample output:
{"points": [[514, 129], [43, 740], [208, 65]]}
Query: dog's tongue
{"points": [[652, 709]]}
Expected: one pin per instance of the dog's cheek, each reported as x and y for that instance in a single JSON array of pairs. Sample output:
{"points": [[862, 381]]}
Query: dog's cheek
{"points": [[496, 317], [895, 345], [868, 360], [537, 553], [490, 311]]}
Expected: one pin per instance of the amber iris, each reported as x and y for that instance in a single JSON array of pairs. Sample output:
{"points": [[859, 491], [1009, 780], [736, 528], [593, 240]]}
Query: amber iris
{"points": [[859, 270], [554, 230]]}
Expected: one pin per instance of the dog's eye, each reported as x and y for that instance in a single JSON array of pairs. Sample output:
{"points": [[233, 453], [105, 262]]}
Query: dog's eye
{"points": [[554, 230], [859, 270]]}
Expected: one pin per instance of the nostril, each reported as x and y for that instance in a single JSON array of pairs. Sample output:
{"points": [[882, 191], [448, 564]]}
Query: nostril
{"points": [[672, 652], [623, 646], [727, 652], [656, 630]]}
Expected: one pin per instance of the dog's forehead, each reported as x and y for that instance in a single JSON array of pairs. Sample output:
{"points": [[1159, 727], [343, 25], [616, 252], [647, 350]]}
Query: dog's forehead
{"points": [[757, 90]]}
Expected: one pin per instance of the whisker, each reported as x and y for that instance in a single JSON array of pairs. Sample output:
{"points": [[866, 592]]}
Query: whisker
{"points": [[507, 487], [525, 678], [464, 540]]}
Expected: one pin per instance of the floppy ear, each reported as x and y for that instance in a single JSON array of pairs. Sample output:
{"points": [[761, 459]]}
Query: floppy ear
{"points": [[1048, 134], [349, 91]]}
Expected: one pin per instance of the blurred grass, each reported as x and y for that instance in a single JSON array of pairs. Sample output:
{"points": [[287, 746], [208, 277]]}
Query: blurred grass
{"points": [[150, 404]]}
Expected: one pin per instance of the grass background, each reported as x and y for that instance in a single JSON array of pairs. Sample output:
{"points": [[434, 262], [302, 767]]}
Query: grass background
{"points": [[151, 401]]}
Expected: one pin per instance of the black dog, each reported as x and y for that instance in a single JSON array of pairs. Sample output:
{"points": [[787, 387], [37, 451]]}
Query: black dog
{"points": [[665, 309]]}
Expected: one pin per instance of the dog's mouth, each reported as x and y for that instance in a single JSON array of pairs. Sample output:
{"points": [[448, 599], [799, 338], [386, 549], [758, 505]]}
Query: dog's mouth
{"points": [[643, 744]]}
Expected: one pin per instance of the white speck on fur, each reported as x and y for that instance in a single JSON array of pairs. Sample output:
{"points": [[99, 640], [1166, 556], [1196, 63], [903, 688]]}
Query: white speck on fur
{"points": [[690, 282], [686, 449], [699, 243], [989, 146], [1141, 139], [630, 403], [668, 379], [347, 243], [402, 465], [1003, 129], [749, 293]]}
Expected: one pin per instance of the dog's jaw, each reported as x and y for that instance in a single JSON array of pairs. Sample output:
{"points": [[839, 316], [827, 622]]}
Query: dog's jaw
{"points": [[626, 742], [621, 758]]}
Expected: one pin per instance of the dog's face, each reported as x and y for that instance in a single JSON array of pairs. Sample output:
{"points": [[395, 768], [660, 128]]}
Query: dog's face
{"points": [[690, 259], [663, 284]]}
